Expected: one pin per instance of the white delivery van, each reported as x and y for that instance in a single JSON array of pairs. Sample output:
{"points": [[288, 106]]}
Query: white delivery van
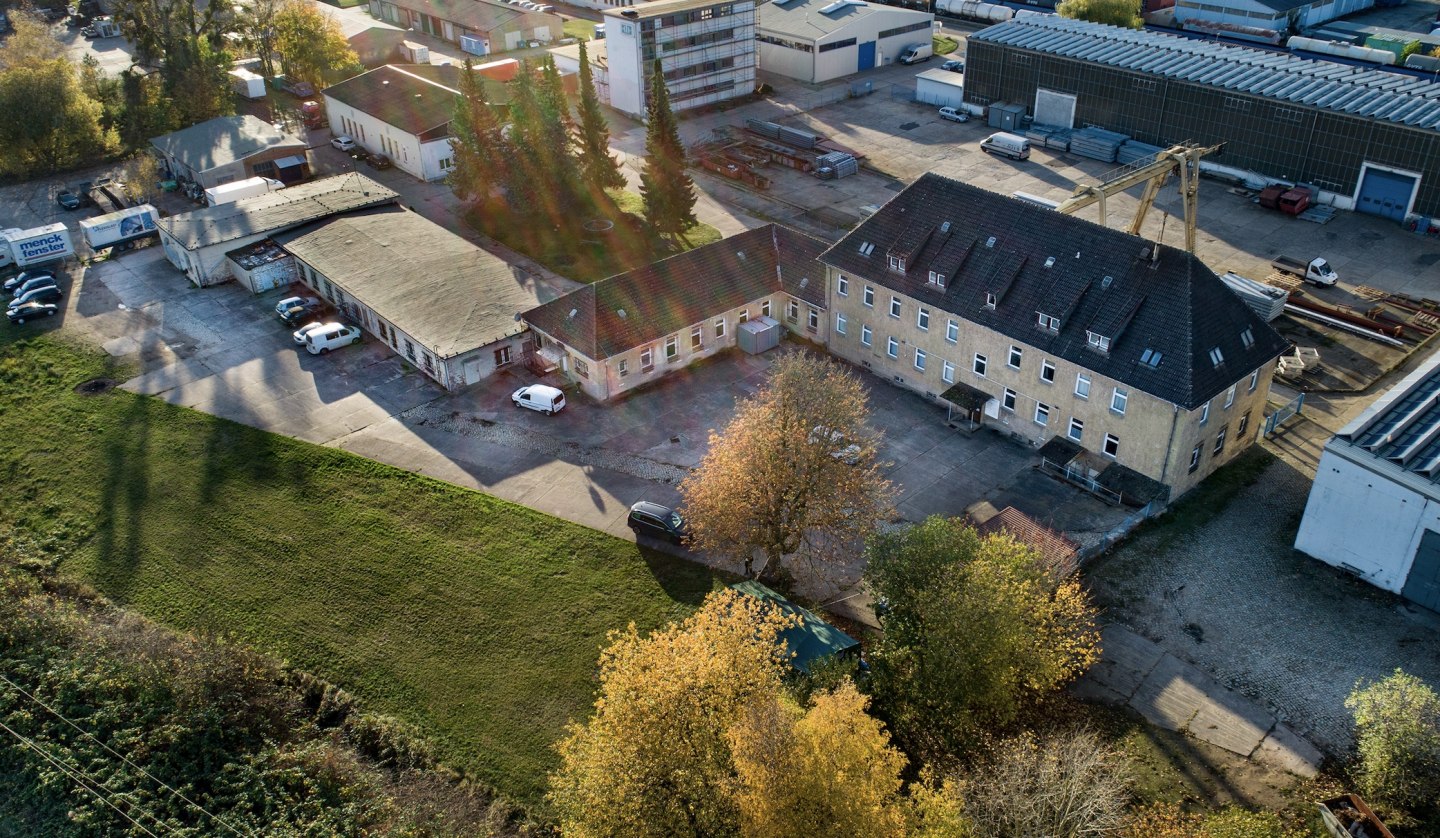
{"points": [[915, 53], [1013, 146], [546, 399], [330, 336]]}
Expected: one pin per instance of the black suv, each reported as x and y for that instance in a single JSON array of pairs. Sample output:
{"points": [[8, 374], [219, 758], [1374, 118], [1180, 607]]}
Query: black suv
{"points": [[657, 521], [304, 313]]}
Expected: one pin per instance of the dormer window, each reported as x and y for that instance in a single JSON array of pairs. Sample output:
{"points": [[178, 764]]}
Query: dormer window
{"points": [[1099, 343], [1048, 323], [937, 279], [989, 300], [897, 263]]}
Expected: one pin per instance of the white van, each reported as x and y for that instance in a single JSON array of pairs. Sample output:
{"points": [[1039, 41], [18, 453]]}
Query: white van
{"points": [[1013, 146], [330, 336], [915, 53], [546, 399]]}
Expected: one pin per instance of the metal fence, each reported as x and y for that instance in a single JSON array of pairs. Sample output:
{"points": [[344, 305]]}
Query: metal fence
{"points": [[1080, 478], [1292, 408], [1120, 530]]}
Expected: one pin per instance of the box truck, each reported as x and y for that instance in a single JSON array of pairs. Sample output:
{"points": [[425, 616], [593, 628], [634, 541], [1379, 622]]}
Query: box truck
{"points": [[36, 246], [247, 84], [120, 229], [229, 193]]}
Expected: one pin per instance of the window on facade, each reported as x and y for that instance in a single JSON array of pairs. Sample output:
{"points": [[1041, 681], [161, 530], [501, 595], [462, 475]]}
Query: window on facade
{"points": [[923, 319], [1098, 342], [1194, 459], [1254, 379], [1118, 400], [839, 323], [502, 356], [427, 361], [384, 332], [894, 306], [1230, 395], [1077, 429], [952, 331], [697, 337], [1220, 439], [812, 320], [1047, 372], [447, 163], [1016, 354], [869, 297], [937, 279], [743, 316], [792, 311], [892, 347], [1204, 414], [1240, 428], [1111, 448], [1048, 323], [647, 359], [1008, 401], [947, 372], [1042, 413], [672, 348], [842, 286], [409, 349], [719, 327], [897, 263], [765, 308], [1082, 385], [582, 368], [623, 367], [919, 359], [980, 364], [865, 335]]}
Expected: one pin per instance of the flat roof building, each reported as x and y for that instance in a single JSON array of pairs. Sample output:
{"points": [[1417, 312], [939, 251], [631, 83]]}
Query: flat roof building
{"points": [[706, 50], [1368, 137], [819, 40]]}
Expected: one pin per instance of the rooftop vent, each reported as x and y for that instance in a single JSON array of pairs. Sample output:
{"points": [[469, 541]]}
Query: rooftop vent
{"points": [[990, 242], [1049, 261], [571, 315], [1105, 283], [945, 227], [741, 254], [804, 281], [621, 312]]}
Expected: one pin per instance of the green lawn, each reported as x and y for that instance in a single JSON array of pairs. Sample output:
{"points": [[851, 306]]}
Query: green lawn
{"points": [[475, 619], [578, 28]]}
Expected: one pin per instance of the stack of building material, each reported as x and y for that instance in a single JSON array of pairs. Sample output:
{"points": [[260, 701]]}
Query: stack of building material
{"points": [[1265, 300], [1097, 143], [836, 165], [783, 133], [1134, 151]]}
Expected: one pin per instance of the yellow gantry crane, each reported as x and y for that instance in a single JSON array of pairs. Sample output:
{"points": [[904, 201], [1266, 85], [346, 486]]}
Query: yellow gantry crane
{"points": [[1183, 160]]}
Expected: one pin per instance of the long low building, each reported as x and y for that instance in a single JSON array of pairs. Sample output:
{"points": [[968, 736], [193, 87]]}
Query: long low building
{"points": [[1374, 509], [443, 304], [1368, 137], [230, 148], [819, 40], [197, 242]]}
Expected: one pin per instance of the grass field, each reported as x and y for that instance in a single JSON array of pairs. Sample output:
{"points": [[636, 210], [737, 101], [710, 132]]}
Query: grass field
{"points": [[579, 28], [475, 619]]}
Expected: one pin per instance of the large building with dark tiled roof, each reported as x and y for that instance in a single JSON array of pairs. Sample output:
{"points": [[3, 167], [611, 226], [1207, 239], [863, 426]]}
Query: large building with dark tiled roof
{"points": [[1046, 325], [632, 328]]}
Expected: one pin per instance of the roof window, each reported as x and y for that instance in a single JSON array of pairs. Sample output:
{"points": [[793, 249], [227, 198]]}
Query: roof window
{"points": [[1247, 337], [1216, 356], [1049, 261], [866, 248], [990, 242], [1151, 358]]}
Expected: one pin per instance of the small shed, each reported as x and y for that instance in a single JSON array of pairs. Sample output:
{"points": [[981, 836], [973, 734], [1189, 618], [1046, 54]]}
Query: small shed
{"points": [[812, 641], [940, 88], [759, 335], [262, 266]]}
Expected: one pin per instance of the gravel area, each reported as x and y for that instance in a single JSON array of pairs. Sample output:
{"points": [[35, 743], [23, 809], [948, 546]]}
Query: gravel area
{"points": [[482, 427], [1233, 598]]}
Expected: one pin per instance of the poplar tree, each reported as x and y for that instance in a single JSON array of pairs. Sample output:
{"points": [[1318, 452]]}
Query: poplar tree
{"points": [[600, 170], [664, 184]]}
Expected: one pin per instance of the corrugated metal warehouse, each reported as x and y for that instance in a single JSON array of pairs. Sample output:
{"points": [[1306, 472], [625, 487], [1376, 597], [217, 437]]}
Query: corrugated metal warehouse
{"points": [[1369, 136], [819, 40]]}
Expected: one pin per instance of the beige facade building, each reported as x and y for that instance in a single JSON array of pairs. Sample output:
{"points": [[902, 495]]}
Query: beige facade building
{"points": [[630, 329], [1044, 326]]}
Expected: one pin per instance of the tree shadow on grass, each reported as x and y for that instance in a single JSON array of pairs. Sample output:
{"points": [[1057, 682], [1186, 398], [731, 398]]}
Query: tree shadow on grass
{"points": [[685, 581], [123, 499]]}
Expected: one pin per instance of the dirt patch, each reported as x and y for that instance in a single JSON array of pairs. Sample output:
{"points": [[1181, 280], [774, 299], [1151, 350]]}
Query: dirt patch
{"points": [[95, 386]]}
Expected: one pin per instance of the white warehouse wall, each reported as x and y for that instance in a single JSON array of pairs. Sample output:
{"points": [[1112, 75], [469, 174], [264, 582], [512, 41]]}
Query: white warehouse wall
{"points": [[366, 130], [1365, 521]]}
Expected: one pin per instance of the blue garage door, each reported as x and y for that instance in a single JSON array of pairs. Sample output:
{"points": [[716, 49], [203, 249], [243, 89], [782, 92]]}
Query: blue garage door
{"points": [[1386, 194], [1422, 586], [867, 56]]}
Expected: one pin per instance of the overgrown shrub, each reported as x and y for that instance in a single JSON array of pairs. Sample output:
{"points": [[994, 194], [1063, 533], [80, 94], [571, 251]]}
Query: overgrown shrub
{"points": [[1397, 733]]}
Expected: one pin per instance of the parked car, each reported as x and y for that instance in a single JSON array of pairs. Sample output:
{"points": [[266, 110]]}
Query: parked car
{"points": [[31, 284], [330, 336], [953, 66], [30, 311], [541, 397], [25, 276], [343, 142], [290, 302], [656, 521], [301, 333], [378, 160], [43, 294], [68, 200], [841, 449], [954, 115], [303, 313]]}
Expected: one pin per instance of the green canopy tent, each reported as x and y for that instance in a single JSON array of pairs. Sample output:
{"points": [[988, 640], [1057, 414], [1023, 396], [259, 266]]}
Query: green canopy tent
{"points": [[813, 640]]}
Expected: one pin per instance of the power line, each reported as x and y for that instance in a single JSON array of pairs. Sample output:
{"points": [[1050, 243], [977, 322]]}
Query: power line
{"points": [[121, 756], [77, 776]]}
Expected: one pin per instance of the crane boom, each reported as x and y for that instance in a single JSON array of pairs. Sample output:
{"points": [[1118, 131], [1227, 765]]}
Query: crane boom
{"points": [[1181, 159]]}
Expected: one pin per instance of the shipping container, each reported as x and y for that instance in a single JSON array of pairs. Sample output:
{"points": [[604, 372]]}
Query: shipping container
{"points": [[120, 229], [36, 246]]}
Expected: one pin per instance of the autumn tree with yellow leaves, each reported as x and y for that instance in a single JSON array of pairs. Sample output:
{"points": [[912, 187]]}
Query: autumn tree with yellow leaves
{"points": [[974, 630], [794, 474], [693, 734]]}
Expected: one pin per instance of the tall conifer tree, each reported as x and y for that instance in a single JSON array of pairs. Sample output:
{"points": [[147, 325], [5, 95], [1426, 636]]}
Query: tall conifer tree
{"points": [[600, 170], [664, 184]]}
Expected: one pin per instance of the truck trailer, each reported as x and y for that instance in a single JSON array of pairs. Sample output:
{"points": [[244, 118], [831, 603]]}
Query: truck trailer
{"points": [[36, 246], [229, 193], [247, 84], [121, 229]]}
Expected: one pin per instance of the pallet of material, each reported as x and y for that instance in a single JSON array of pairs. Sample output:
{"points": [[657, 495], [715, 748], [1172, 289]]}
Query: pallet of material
{"points": [[1097, 144], [1265, 300], [1133, 151]]}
